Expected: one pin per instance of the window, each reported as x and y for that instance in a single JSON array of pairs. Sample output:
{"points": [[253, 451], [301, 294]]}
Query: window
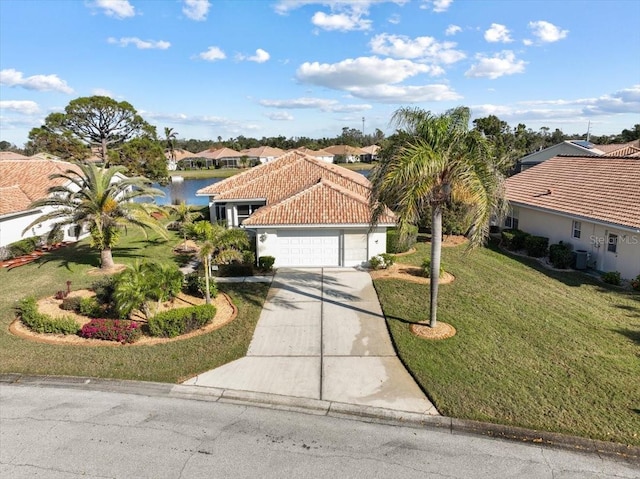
{"points": [[244, 211], [577, 225], [612, 243], [511, 221], [221, 211]]}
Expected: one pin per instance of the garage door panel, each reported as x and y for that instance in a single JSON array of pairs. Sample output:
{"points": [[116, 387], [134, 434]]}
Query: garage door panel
{"points": [[308, 248]]}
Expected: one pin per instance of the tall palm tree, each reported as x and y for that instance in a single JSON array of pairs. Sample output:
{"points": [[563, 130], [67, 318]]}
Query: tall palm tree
{"points": [[185, 216], [96, 200], [438, 160], [170, 138]]}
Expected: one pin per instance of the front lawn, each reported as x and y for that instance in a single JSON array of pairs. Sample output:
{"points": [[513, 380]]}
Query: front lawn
{"points": [[169, 362], [534, 348]]}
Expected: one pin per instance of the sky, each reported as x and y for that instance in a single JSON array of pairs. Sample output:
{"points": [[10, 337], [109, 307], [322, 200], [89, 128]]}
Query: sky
{"points": [[292, 68]]}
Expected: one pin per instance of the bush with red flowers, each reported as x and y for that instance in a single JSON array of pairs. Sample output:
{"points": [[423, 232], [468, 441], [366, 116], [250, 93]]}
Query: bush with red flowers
{"points": [[119, 330]]}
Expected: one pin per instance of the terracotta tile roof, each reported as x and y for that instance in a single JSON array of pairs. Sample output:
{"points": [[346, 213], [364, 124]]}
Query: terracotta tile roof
{"points": [[323, 203], [601, 188], [24, 181], [296, 175], [11, 155], [263, 151], [314, 153], [219, 153], [345, 150], [620, 149]]}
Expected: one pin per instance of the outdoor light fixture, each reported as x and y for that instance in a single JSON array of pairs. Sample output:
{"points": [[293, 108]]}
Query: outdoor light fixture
{"points": [[263, 237]]}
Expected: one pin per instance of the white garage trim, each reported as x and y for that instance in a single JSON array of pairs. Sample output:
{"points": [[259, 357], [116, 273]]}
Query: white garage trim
{"points": [[308, 248]]}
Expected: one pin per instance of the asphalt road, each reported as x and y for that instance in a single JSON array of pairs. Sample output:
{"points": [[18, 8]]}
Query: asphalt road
{"points": [[73, 432]]}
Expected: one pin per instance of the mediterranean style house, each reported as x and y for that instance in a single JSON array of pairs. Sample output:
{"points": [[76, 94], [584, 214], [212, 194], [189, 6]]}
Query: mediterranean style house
{"points": [[303, 211], [590, 202]]}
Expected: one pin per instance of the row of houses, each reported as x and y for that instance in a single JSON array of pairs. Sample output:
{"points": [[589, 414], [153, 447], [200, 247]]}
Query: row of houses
{"points": [[229, 158]]}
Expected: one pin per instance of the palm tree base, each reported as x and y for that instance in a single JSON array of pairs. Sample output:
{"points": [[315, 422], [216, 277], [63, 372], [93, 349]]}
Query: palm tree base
{"points": [[115, 269], [440, 331]]}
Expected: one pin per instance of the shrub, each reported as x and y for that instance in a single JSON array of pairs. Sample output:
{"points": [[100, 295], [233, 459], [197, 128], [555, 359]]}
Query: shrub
{"points": [[635, 283], [119, 330], [195, 285], [235, 269], [172, 323], [249, 258], [381, 261], [536, 246], [43, 323], [398, 244], [514, 240], [71, 303], [560, 255], [90, 307], [265, 263], [612, 277], [104, 288], [426, 268], [23, 247]]}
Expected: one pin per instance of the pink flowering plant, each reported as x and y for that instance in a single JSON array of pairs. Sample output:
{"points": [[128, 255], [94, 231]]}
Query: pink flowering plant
{"points": [[120, 330]]}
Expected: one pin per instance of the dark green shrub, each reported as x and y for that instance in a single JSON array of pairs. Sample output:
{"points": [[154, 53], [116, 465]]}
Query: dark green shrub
{"points": [[195, 285], [235, 269], [426, 268], [71, 303], [23, 247], [249, 258], [90, 307], [265, 263], [172, 323], [104, 288], [536, 246], [561, 255], [612, 277], [119, 330], [397, 244], [43, 323], [514, 240]]}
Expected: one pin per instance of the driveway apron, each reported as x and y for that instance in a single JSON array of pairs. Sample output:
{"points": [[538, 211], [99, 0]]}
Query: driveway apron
{"points": [[322, 335]]}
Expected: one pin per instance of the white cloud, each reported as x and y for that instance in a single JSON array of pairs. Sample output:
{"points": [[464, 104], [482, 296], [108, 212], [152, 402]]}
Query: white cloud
{"points": [[497, 33], [546, 32], [315, 103], [280, 116], [116, 8], [25, 107], [406, 94], [359, 72], [196, 9], [439, 6], [503, 63], [101, 92], [452, 30], [394, 19], [11, 78], [283, 7], [212, 54], [261, 56], [424, 48], [342, 22], [141, 44]]}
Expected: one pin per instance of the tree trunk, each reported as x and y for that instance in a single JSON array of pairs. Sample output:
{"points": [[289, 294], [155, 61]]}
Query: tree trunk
{"points": [[207, 293], [436, 252], [106, 259]]}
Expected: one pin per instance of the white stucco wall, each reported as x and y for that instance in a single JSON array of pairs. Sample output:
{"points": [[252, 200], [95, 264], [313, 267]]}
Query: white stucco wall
{"points": [[593, 239], [11, 227]]}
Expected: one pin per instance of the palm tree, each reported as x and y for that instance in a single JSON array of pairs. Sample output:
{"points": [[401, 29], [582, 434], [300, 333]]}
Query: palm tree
{"points": [[95, 199], [220, 245], [170, 138], [185, 216], [438, 160]]}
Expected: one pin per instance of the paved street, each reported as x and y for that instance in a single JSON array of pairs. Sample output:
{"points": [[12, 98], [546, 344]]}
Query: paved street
{"points": [[64, 432]]}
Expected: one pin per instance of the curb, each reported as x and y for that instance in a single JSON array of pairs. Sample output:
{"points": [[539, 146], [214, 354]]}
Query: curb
{"points": [[334, 409]]}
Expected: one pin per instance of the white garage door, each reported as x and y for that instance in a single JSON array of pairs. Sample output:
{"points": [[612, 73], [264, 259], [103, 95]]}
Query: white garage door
{"points": [[308, 248]]}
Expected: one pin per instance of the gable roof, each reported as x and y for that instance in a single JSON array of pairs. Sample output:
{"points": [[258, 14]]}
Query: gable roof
{"points": [[263, 152], [345, 150], [11, 155], [318, 189], [219, 153], [631, 148], [25, 181], [599, 188]]}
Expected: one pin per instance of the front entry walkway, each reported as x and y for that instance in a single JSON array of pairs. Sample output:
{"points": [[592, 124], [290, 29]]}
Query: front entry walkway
{"points": [[322, 335]]}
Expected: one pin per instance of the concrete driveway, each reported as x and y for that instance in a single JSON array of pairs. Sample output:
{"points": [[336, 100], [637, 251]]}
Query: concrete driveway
{"points": [[322, 335]]}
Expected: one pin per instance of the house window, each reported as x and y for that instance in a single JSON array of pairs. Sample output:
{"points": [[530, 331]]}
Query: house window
{"points": [[577, 225], [221, 211], [612, 243], [511, 221], [244, 211]]}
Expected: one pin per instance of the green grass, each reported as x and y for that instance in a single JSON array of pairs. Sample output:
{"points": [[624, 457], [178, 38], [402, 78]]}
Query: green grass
{"points": [[534, 348], [169, 362]]}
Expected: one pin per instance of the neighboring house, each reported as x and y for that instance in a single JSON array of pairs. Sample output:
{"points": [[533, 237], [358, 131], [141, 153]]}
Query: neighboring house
{"points": [[10, 155], [262, 154], [222, 157], [578, 148], [21, 183], [370, 153], [179, 155], [591, 202], [348, 154], [302, 211], [322, 155]]}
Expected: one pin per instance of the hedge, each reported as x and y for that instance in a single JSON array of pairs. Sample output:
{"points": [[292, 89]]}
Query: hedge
{"points": [[396, 244], [536, 246], [172, 323], [560, 255], [43, 323], [514, 240]]}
